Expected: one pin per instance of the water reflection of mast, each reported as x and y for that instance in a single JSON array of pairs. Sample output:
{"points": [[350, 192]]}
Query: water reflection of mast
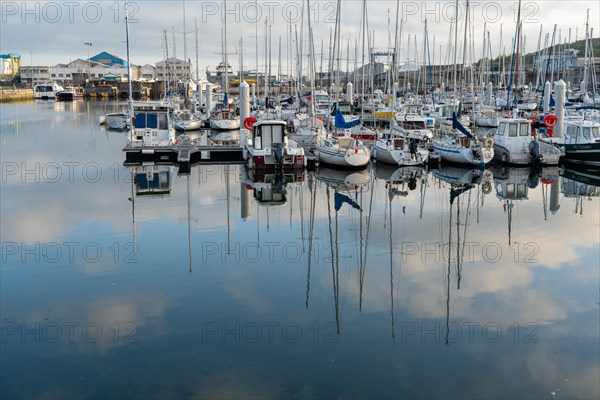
{"points": [[459, 250], [334, 261], [313, 197], [132, 199], [390, 196], [363, 265], [189, 217], [228, 214]]}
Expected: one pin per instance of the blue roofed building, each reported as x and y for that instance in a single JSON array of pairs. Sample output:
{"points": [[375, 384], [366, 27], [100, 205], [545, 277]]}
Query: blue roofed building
{"points": [[108, 59]]}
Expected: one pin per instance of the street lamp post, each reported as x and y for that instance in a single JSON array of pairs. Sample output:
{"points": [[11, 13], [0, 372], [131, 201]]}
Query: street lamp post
{"points": [[89, 44]]}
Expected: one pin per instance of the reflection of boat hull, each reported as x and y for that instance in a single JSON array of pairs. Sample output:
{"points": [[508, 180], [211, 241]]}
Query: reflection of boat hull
{"points": [[393, 174], [342, 180], [270, 188], [153, 180], [581, 173], [460, 176]]}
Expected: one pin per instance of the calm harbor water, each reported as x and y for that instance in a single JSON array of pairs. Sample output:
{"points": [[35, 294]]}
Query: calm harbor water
{"points": [[120, 282]]}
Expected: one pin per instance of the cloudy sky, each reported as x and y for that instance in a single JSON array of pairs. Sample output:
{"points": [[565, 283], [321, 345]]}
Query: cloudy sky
{"points": [[51, 32]]}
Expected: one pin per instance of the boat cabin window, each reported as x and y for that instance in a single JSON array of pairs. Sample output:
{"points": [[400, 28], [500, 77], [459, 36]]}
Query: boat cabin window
{"points": [[163, 121], [501, 129], [510, 190], [590, 132], [571, 130], [512, 130], [524, 129], [521, 190]]}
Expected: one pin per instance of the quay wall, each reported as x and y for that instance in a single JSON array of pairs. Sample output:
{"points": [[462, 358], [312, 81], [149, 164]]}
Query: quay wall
{"points": [[8, 95]]}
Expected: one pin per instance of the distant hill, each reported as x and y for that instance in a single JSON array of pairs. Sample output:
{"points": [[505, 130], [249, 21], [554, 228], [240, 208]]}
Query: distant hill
{"points": [[578, 45]]}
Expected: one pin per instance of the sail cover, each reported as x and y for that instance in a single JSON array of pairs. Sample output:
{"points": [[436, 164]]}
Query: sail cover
{"points": [[341, 123]]}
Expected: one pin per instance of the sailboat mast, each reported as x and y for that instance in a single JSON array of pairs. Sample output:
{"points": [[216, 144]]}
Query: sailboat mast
{"points": [[197, 63], [184, 40], [129, 91], [226, 72]]}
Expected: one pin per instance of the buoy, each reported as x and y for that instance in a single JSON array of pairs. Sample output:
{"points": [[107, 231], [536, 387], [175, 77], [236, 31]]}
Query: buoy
{"points": [[249, 122], [550, 120]]}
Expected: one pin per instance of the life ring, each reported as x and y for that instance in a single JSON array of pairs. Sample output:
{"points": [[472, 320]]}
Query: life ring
{"points": [[550, 120], [486, 187], [249, 122], [489, 143]]}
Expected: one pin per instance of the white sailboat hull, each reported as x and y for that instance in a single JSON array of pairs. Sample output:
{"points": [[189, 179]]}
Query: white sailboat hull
{"points": [[225, 124], [463, 155], [401, 157], [348, 158]]}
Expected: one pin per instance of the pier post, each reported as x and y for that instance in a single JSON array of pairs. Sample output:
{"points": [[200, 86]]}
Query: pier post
{"points": [[199, 96], [349, 92], [244, 111], [208, 99], [560, 91], [546, 100]]}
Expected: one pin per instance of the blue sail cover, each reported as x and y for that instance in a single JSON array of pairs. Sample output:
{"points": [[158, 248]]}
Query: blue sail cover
{"points": [[340, 122], [340, 199], [457, 125], [226, 99]]}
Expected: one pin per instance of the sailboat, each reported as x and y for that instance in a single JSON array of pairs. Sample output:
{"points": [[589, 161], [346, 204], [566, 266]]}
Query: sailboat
{"points": [[122, 119], [394, 147], [223, 116], [344, 152], [464, 149]]}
